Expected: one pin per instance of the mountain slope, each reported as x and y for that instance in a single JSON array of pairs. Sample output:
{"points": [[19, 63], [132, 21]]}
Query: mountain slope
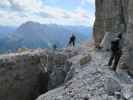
{"points": [[92, 81], [5, 30], [36, 35], [50, 33]]}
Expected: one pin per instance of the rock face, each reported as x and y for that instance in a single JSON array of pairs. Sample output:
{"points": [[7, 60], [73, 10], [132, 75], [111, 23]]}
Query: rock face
{"points": [[92, 80], [111, 16], [19, 76], [114, 17], [57, 67], [24, 76], [126, 61]]}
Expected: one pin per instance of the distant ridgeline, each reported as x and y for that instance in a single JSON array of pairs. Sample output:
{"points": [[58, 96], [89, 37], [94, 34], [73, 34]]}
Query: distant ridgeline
{"points": [[36, 35]]}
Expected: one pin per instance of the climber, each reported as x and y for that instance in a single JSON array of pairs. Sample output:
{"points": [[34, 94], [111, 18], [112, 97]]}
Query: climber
{"points": [[115, 52], [54, 46], [72, 40]]}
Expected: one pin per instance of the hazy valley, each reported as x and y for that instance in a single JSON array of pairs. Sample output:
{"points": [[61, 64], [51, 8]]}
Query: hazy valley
{"points": [[36, 35]]}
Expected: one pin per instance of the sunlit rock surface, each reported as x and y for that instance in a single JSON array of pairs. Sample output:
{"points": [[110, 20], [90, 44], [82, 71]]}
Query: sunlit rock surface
{"points": [[92, 81]]}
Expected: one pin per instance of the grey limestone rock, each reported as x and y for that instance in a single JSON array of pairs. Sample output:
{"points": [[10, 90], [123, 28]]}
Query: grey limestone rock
{"points": [[115, 16]]}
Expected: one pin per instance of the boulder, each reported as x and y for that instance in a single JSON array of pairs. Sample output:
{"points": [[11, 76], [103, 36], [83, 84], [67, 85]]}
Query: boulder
{"points": [[112, 86], [58, 66], [127, 91], [85, 59], [26, 75], [19, 76]]}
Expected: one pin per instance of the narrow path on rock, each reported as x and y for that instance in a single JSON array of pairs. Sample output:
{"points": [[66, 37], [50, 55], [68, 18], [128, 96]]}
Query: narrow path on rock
{"points": [[88, 82]]}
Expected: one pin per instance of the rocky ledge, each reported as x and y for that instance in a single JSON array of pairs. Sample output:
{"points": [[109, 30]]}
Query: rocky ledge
{"points": [[92, 80], [67, 74], [26, 75]]}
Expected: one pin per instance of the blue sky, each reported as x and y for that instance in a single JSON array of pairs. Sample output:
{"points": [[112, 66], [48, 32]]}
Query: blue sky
{"points": [[65, 12]]}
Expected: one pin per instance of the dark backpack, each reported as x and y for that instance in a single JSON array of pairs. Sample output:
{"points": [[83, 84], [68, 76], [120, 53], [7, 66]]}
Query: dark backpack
{"points": [[115, 45]]}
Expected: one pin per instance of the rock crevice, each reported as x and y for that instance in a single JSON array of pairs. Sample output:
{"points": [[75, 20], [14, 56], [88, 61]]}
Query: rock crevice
{"points": [[26, 75]]}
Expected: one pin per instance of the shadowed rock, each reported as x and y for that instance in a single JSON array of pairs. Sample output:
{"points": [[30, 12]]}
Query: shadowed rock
{"points": [[26, 75]]}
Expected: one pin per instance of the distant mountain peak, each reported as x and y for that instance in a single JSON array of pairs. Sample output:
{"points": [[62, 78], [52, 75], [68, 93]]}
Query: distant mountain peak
{"points": [[29, 23], [35, 35]]}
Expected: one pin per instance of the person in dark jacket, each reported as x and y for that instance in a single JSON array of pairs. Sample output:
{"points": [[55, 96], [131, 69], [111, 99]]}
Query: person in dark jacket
{"points": [[54, 46], [72, 40], [116, 53]]}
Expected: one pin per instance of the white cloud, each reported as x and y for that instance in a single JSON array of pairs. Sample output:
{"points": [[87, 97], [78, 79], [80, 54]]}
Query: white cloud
{"points": [[91, 1], [88, 1], [36, 10], [26, 5], [4, 3]]}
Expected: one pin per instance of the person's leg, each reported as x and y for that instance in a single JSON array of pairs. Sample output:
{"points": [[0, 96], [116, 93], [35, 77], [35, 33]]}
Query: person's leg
{"points": [[116, 60], [111, 59], [73, 43]]}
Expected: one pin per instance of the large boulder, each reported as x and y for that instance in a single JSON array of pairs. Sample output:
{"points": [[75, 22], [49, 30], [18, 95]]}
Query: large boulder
{"points": [[19, 76], [85, 59], [112, 86], [26, 75], [127, 91], [58, 67]]}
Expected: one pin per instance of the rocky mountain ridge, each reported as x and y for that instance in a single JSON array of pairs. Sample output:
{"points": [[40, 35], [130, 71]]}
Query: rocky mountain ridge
{"points": [[75, 73], [26, 75], [113, 17], [43, 36]]}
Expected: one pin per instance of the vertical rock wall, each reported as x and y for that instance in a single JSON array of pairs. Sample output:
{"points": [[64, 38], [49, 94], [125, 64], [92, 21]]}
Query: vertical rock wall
{"points": [[127, 57], [19, 76], [116, 16], [23, 76], [111, 16]]}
